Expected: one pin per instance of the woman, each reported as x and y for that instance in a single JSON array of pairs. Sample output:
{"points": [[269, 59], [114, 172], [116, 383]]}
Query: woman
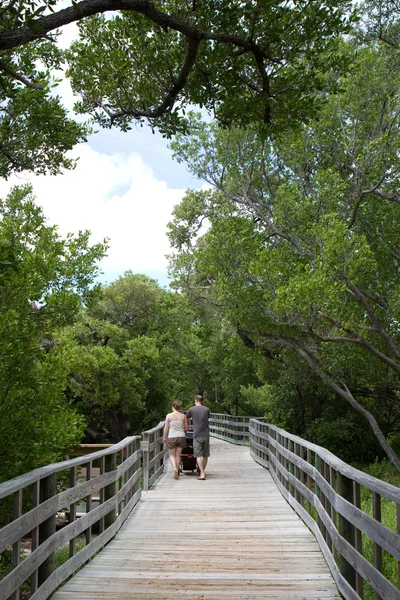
{"points": [[175, 429]]}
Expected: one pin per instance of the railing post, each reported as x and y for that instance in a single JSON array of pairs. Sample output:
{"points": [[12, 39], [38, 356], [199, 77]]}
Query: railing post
{"points": [[16, 551], [318, 493], [292, 489], [88, 532], [346, 529], [35, 534], [72, 512], [145, 449], [110, 489], [48, 489]]}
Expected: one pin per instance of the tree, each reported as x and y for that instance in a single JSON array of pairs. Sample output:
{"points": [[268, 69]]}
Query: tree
{"points": [[44, 281], [264, 62], [380, 21], [35, 130], [302, 251], [135, 352]]}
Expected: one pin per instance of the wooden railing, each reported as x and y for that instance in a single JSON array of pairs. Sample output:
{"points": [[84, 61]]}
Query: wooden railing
{"points": [[153, 455], [326, 493], [230, 428], [38, 498], [323, 490]]}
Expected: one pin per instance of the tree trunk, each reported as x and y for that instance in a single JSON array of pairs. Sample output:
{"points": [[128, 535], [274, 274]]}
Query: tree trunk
{"points": [[376, 430], [117, 424], [345, 393]]}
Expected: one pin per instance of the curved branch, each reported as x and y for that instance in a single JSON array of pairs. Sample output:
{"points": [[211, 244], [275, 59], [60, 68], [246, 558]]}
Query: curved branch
{"points": [[357, 293], [7, 69], [43, 25], [342, 390], [172, 94]]}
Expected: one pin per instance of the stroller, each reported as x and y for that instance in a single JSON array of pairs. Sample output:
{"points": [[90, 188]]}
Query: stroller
{"points": [[188, 461]]}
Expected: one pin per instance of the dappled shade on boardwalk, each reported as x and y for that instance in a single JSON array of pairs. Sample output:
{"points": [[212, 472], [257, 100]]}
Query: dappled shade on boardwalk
{"points": [[231, 536]]}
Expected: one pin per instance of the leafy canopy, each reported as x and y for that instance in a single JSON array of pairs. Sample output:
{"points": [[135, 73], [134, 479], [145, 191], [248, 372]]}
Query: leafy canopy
{"points": [[266, 62], [302, 246]]}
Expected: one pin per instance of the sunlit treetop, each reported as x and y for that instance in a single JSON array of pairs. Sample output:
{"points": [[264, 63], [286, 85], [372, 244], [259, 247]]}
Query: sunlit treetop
{"points": [[264, 62]]}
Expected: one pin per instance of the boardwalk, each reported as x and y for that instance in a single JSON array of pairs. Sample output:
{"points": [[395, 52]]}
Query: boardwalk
{"points": [[232, 536]]}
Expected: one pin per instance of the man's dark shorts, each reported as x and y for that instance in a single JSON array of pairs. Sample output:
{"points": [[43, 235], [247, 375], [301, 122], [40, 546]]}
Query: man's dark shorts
{"points": [[201, 447]]}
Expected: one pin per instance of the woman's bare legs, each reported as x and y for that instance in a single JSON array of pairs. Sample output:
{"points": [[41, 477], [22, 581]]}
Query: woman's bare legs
{"points": [[172, 457], [178, 458], [174, 460]]}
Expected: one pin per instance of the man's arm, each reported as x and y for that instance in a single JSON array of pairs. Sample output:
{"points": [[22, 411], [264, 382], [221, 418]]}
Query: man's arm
{"points": [[188, 416]]}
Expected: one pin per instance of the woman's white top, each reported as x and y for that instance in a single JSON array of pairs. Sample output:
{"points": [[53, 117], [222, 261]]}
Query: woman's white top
{"points": [[176, 428]]}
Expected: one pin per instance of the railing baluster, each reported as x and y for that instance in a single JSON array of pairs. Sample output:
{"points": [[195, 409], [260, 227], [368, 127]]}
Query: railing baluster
{"points": [[325, 504], [121, 480], [88, 532], [328, 506], [297, 471], [72, 511], [358, 539], [346, 529], [48, 489], [377, 512], [309, 480], [35, 534], [110, 489], [16, 549], [145, 449], [292, 489], [102, 493], [318, 493]]}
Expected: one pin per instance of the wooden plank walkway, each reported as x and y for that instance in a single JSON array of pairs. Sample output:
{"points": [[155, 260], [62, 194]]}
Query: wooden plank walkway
{"points": [[232, 536]]}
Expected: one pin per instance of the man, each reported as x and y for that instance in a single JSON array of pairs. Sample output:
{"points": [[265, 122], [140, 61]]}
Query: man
{"points": [[201, 434]]}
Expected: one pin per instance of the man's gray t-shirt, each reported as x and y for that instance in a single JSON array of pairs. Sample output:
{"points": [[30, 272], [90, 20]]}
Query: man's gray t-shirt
{"points": [[200, 416]]}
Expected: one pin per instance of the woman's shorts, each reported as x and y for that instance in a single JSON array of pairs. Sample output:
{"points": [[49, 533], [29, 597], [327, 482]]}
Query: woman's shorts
{"points": [[176, 442]]}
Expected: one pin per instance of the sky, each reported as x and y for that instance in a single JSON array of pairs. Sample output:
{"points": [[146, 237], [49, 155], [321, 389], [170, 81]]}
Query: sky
{"points": [[124, 188]]}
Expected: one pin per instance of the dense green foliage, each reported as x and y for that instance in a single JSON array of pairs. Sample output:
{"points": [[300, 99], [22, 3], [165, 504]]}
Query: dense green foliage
{"points": [[139, 347], [128, 351], [264, 62], [35, 129], [44, 281], [287, 301], [301, 254]]}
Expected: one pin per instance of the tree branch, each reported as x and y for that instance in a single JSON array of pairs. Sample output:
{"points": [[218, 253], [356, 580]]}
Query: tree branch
{"points": [[43, 25], [170, 98], [360, 297], [7, 69], [342, 390]]}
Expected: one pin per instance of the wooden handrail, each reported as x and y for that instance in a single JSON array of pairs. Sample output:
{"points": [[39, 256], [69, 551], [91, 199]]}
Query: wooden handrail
{"points": [[153, 455], [116, 483], [325, 492], [232, 429], [18, 483]]}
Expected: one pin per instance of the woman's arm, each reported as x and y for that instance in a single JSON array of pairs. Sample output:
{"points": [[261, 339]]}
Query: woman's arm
{"points": [[185, 424]]}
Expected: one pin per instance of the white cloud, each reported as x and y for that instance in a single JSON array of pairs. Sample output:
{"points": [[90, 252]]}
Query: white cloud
{"points": [[114, 196]]}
